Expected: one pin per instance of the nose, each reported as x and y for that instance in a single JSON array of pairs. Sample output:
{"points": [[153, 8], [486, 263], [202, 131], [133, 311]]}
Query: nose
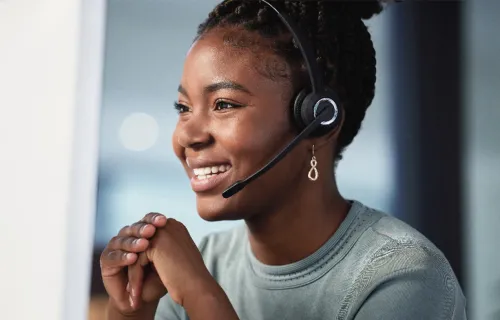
{"points": [[194, 132]]}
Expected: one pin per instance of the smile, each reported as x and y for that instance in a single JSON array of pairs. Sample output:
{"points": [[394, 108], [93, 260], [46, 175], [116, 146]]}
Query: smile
{"points": [[209, 172], [208, 178]]}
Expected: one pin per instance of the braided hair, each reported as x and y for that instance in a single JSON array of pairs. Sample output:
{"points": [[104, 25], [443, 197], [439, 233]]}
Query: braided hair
{"points": [[343, 45]]}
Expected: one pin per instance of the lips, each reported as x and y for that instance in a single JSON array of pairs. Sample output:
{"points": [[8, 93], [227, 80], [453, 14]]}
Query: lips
{"points": [[207, 174]]}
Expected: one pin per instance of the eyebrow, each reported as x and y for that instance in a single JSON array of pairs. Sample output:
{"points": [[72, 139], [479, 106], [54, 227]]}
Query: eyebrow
{"points": [[218, 86]]}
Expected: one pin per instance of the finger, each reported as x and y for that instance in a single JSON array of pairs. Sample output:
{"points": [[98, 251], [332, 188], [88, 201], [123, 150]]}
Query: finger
{"points": [[129, 244], [123, 231], [146, 227], [115, 288], [135, 280], [113, 275], [157, 219], [112, 261], [139, 229]]}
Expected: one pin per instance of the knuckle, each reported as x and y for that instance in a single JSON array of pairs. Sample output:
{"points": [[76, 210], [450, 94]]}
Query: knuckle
{"points": [[116, 255], [137, 226], [103, 256], [114, 240], [124, 241], [119, 240], [150, 216], [124, 229], [110, 255], [130, 241]]}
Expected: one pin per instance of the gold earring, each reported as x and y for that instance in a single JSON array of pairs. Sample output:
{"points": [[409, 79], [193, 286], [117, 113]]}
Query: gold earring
{"points": [[313, 173]]}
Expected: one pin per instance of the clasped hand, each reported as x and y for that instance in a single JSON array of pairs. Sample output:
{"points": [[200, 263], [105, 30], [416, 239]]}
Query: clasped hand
{"points": [[150, 258]]}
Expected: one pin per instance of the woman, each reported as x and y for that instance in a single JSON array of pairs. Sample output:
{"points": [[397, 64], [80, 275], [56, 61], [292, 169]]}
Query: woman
{"points": [[304, 252]]}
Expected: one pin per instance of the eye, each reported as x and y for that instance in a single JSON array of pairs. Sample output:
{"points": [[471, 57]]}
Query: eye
{"points": [[180, 107], [223, 105]]}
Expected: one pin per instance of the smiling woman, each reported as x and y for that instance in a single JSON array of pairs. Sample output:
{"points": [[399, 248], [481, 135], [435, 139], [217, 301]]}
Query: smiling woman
{"points": [[234, 117], [305, 252]]}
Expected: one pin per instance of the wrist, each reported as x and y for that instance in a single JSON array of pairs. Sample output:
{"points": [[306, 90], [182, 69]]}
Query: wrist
{"points": [[209, 302], [203, 287]]}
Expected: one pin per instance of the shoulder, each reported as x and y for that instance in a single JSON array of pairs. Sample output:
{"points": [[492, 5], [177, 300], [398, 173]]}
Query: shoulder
{"points": [[397, 247], [397, 261], [378, 237], [400, 246], [382, 236]]}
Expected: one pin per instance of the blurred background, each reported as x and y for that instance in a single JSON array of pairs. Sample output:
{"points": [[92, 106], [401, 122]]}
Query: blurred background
{"points": [[138, 173], [428, 152]]}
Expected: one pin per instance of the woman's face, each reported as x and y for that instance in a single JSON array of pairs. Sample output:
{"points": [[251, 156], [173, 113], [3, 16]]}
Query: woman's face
{"points": [[234, 117]]}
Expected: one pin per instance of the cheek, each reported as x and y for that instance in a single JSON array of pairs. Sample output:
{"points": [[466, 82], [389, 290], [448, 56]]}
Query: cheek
{"points": [[254, 138]]}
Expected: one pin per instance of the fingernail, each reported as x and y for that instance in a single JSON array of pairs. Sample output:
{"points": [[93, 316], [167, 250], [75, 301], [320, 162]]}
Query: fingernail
{"points": [[128, 287], [157, 218], [131, 301], [133, 293]]}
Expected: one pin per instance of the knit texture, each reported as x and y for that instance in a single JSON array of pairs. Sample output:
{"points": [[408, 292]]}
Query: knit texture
{"points": [[373, 267]]}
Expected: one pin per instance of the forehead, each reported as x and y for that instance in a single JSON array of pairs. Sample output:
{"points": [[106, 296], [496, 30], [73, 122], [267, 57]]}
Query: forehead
{"points": [[238, 56]]}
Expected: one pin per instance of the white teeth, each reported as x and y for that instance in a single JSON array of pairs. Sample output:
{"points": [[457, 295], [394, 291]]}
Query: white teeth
{"points": [[207, 172]]}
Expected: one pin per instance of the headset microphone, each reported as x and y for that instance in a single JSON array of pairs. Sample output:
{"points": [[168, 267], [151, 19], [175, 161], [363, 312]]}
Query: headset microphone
{"points": [[316, 112]]}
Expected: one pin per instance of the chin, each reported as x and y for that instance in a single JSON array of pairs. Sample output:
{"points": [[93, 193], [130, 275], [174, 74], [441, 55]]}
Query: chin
{"points": [[245, 205], [217, 208]]}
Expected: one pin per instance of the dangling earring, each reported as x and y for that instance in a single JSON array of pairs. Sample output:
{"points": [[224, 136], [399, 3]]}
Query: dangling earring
{"points": [[313, 173]]}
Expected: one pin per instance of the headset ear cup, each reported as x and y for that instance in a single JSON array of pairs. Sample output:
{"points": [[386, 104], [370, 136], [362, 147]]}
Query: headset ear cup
{"points": [[297, 109], [308, 111]]}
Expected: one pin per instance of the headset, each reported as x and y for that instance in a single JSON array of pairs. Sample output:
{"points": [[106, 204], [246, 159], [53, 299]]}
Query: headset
{"points": [[316, 110]]}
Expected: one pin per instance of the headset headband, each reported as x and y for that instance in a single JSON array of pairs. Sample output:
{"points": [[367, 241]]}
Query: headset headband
{"points": [[305, 47]]}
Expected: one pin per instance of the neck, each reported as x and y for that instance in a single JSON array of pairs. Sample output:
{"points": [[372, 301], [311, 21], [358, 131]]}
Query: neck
{"points": [[300, 226]]}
